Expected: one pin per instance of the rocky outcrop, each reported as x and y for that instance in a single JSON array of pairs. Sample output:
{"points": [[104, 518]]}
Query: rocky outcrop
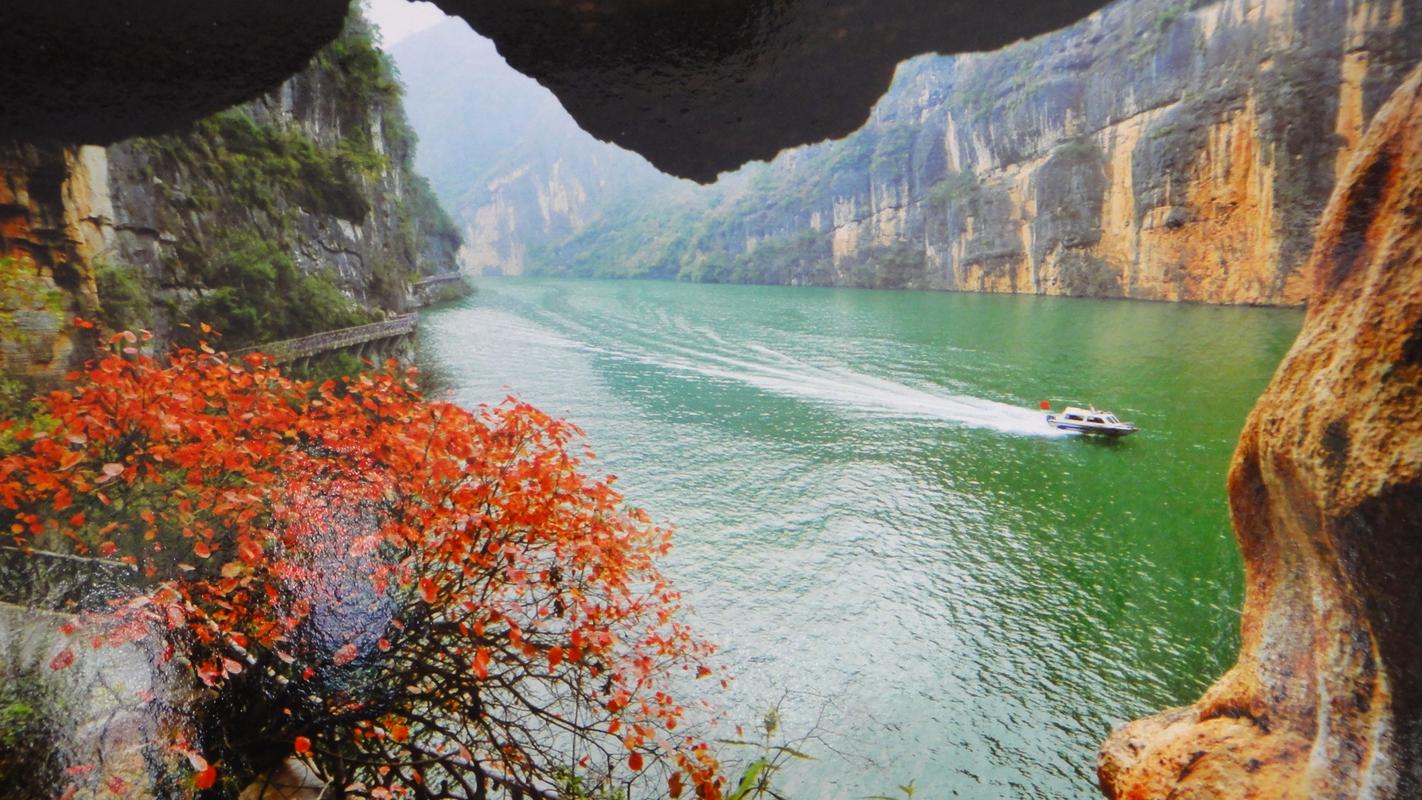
{"points": [[46, 228], [295, 212], [1160, 149], [104, 717], [95, 73], [1326, 498]]}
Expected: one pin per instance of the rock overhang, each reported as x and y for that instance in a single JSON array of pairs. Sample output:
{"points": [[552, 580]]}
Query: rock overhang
{"points": [[697, 88]]}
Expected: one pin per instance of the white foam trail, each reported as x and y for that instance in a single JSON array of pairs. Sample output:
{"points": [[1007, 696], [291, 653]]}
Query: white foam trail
{"points": [[867, 394], [785, 375]]}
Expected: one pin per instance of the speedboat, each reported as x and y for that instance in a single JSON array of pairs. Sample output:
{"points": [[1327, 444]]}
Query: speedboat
{"points": [[1090, 420]]}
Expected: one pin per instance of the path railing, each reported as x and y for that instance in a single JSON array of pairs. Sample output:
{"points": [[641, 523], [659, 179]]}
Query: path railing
{"points": [[288, 350], [437, 280], [435, 288]]}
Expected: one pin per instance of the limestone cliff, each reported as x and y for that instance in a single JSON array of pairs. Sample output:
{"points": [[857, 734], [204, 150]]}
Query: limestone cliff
{"points": [[1326, 497], [295, 212], [1160, 149], [513, 168], [47, 221]]}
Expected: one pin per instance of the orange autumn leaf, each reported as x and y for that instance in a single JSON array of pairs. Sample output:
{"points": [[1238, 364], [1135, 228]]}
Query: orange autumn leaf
{"points": [[63, 660], [249, 551], [344, 655]]}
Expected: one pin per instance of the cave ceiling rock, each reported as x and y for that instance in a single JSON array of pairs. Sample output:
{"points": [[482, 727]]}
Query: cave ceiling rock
{"points": [[697, 87]]}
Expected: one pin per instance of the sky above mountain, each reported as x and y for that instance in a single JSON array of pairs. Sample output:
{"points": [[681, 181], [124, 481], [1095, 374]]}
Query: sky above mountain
{"points": [[398, 20]]}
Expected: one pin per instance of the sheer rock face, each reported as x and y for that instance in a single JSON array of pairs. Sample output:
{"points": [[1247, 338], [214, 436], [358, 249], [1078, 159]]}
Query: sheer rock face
{"points": [[1155, 150], [47, 227], [1326, 497]]}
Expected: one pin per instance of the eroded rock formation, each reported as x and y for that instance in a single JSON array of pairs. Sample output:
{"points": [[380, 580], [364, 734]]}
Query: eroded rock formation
{"points": [[701, 88], [84, 72], [1326, 496]]}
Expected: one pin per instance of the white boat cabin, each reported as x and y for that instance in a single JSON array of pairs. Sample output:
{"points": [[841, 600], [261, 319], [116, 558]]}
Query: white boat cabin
{"points": [[1074, 414], [1090, 420]]}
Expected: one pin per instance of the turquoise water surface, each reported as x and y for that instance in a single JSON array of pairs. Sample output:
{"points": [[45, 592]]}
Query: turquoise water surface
{"points": [[874, 521]]}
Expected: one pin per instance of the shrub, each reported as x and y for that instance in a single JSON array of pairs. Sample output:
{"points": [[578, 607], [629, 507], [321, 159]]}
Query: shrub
{"points": [[22, 289], [412, 597], [955, 187], [329, 367], [262, 163], [257, 294]]}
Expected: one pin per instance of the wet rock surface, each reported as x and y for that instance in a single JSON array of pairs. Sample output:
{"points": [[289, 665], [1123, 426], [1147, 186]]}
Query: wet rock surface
{"points": [[1326, 498], [105, 721]]}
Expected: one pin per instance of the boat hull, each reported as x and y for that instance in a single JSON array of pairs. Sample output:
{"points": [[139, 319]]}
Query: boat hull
{"points": [[1091, 429]]}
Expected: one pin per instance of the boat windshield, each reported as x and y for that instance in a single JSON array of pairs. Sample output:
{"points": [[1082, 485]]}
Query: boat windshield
{"points": [[1112, 418]]}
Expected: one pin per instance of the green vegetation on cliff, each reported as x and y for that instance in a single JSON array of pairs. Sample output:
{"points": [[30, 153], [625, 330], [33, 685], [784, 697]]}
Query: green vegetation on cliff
{"points": [[33, 705], [256, 294], [229, 158], [294, 213], [28, 304]]}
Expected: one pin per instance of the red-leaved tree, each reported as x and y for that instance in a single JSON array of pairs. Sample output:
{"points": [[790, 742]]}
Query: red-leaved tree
{"points": [[419, 599]]}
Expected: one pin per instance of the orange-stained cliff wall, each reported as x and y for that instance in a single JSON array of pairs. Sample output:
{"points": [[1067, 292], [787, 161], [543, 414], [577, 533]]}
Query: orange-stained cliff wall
{"points": [[1159, 149], [51, 217], [1326, 498]]}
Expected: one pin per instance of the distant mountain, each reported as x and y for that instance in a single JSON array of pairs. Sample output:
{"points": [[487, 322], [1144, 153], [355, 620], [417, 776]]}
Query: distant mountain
{"points": [[1159, 149], [503, 156]]}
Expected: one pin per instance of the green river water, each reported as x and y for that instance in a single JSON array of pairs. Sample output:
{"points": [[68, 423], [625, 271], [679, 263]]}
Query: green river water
{"points": [[875, 523]]}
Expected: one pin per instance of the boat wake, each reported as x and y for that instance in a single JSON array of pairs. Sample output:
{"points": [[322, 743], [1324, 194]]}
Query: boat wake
{"points": [[866, 394], [705, 353]]}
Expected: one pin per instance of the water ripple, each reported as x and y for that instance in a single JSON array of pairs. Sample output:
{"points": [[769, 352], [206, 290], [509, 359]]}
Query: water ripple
{"points": [[873, 516]]}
